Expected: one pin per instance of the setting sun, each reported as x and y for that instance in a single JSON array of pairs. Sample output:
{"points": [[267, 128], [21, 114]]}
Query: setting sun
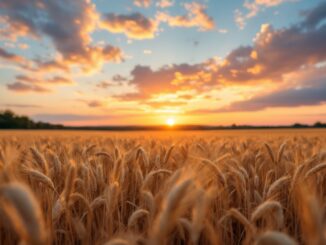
{"points": [[170, 121]]}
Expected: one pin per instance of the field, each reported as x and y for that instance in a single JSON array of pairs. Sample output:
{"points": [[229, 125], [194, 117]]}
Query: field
{"points": [[216, 187]]}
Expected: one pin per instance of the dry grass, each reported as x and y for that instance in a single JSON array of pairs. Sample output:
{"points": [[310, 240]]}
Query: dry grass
{"points": [[130, 189]]}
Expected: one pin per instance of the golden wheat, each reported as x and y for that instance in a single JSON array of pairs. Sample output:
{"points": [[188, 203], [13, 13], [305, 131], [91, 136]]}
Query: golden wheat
{"points": [[91, 188]]}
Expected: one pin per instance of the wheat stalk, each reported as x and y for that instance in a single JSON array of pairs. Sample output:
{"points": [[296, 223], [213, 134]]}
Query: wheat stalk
{"points": [[21, 206]]}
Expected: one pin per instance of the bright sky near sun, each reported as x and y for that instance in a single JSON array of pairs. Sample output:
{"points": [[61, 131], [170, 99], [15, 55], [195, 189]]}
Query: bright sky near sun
{"points": [[213, 62]]}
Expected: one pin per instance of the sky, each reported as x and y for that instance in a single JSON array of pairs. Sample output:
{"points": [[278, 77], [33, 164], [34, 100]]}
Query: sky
{"points": [[152, 62]]}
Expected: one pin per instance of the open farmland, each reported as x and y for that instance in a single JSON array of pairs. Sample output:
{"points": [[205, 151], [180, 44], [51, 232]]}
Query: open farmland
{"points": [[168, 187]]}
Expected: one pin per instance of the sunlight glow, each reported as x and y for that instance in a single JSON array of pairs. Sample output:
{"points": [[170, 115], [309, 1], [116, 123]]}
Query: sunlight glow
{"points": [[170, 121]]}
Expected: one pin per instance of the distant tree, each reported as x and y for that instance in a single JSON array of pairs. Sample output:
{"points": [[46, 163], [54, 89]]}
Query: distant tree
{"points": [[319, 125], [299, 125], [233, 125], [8, 120]]}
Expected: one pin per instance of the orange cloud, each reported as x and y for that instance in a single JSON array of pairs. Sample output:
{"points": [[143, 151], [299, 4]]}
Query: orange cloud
{"points": [[275, 53], [22, 106], [94, 57], [247, 73], [93, 103], [165, 3], [48, 66], [135, 25], [56, 80], [254, 8], [25, 83], [25, 87], [165, 104], [12, 29], [68, 24], [91, 60], [269, 2], [196, 78], [196, 17], [289, 97], [5, 55], [256, 69], [142, 3], [157, 86]]}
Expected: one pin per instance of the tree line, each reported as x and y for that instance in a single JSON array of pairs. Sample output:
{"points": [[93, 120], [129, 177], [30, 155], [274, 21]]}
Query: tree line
{"points": [[9, 120]]}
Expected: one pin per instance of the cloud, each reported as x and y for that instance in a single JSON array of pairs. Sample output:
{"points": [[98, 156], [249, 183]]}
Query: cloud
{"points": [[7, 56], [25, 87], [305, 87], [196, 17], [167, 89], [23, 46], [253, 8], [165, 3], [239, 19], [279, 60], [26, 83], [89, 61], [167, 79], [292, 57], [277, 52], [11, 30], [93, 103], [92, 60], [147, 51], [269, 3], [314, 16], [165, 104], [56, 80], [116, 87], [104, 84], [142, 3], [61, 118], [48, 66], [68, 24], [22, 106], [292, 97], [134, 25], [117, 80]]}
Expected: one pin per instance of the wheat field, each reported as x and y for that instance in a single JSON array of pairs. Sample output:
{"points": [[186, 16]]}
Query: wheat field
{"points": [[233, 187]]}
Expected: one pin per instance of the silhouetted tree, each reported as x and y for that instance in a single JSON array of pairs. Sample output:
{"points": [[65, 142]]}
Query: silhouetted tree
{"points": [[299, 125], [319, 125], [8, 120]]}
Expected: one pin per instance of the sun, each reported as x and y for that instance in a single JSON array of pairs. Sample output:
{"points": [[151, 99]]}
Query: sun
{"points": [[170, 121]]}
